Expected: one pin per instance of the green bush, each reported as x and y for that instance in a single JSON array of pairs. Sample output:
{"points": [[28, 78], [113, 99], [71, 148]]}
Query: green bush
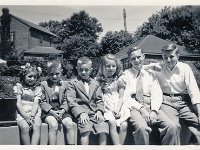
{"points": [[6, 86]]}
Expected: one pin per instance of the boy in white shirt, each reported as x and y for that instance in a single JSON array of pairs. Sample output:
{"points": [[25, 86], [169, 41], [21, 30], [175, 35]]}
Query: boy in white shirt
{"points": [[145, 96]]}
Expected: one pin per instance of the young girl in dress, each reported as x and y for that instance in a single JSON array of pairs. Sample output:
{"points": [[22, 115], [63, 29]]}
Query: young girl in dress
{"points": [[28, 110], [113, 89]]}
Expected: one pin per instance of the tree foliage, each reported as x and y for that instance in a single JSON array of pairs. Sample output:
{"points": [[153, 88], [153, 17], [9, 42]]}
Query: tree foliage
{"points": [[180, 25], [77, 36], [7, 49], [113, 42]]}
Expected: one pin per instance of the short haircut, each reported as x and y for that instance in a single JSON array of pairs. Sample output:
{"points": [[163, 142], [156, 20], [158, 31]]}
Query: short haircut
{"points": [[135, 48], [53, 64], [84, 60], [170, 47]]}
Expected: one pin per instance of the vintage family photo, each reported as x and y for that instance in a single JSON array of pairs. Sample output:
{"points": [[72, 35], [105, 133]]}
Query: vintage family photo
{"points": [[99, 75]]}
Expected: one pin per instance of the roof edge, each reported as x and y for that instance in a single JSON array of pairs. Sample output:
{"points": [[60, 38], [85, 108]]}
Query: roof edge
{"points": [[25, 22]]}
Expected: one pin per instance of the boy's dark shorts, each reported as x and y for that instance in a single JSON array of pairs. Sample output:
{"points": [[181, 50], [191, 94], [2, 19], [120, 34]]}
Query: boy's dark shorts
{"points": [[93, 126]]}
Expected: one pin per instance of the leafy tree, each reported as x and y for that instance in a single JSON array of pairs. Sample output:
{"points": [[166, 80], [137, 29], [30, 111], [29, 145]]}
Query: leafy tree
{"points": [[84, 25], [180, 25], [113, 42], [77, 36], [76, 46]]}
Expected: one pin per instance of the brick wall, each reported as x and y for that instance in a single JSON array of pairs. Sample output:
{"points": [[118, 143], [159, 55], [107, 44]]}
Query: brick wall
{"points": [[26, 37], [21, 35], [37, 38]]}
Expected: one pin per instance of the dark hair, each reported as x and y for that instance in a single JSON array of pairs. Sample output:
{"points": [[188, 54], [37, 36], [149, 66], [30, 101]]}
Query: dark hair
{"points": [[170, 47], [28, 69], [135, 48]]}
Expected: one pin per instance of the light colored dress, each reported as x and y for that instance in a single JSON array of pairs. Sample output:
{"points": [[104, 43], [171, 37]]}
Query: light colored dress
{"points": [[27, 96], [111, 100]]}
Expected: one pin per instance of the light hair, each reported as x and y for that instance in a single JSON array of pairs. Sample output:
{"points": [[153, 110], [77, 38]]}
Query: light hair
{"points": [[170, 47], [54, 64], [135, 48], [84, 60], [101, 71]]}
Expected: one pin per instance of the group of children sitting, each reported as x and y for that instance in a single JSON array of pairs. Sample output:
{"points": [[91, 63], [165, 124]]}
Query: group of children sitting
{"points": [[103, 105], [96, 105]]}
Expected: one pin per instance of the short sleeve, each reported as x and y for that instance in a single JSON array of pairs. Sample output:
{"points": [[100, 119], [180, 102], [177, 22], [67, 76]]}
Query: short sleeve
{"points": [[38, 91], [121, 83], [18, 90]]}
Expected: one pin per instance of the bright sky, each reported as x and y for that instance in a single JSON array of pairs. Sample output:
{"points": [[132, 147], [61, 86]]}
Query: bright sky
{"points": [[109, 14]]}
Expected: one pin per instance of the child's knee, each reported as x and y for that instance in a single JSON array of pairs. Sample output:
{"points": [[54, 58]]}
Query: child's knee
{"points": [[124, 126], [53, 125], [112, 124], [37, 125], [69, 125], [24, 127]]}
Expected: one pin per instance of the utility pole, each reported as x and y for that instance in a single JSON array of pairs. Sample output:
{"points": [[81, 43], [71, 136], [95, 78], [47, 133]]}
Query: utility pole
{"points": [[124, 14]]}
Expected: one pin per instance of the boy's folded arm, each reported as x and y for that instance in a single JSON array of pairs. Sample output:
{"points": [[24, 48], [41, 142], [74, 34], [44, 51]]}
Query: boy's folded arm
{"points": [[42, 100], [64, 104], [72, 100], [45, 106]]}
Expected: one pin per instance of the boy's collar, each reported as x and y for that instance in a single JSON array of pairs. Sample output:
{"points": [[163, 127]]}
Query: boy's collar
{"points": [[84, 80], [135, 71], [50, 83]]}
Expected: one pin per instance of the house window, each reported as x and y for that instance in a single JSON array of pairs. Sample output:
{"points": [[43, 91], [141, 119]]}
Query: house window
{"points": [[125, 63], [12, 36], [51, 40], [41, 38]]}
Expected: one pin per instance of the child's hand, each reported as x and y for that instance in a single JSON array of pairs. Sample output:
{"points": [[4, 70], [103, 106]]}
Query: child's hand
{"points": [[153, 117], [157, 68], [116, 115], [33, 118], [28, 119], [98, 116], [145, 114], [54, 113], [60, 114], [84, 118]]}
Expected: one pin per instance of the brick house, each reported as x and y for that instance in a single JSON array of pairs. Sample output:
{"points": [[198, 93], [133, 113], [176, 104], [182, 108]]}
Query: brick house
{"points": [[26, 35]]}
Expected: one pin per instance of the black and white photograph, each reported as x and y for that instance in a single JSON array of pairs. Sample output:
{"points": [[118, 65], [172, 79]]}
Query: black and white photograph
{"points": [[100, 74]]}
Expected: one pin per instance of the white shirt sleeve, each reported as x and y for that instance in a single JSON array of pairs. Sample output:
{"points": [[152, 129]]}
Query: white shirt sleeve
{"points": [[192, 87], [156, 95]]}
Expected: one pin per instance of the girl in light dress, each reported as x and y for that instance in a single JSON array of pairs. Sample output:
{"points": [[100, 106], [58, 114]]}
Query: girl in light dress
{"points": [[116, 111], [28, 110]]}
